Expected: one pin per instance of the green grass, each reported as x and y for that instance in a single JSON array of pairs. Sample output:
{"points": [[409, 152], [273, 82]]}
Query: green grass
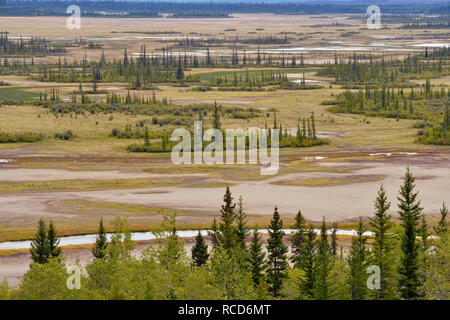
{"points": [[211, 76], [17, 94], [82, 185]]}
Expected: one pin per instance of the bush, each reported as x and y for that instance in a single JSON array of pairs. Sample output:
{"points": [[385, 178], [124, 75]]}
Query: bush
{"points": [[20, 137], [68, 135]]}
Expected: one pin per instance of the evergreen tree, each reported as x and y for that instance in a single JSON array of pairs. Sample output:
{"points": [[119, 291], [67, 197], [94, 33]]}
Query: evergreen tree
{"points": [[54, 250], [180, 73], [200, 251], [39, 245], [257, 258], [322, 265], [424, 248], [334, 239], [216, 116], [227, 229], [146, 138], [242, 231], [410, 212], [214, 234], [441, 226], [357, 264], [298, 239], [277, 261], [101, 242], [381, 224], [307, 263]]}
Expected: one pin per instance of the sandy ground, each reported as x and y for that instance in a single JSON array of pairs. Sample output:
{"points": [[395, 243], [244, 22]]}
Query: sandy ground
{"points": [[20, 174], [344, 202]]}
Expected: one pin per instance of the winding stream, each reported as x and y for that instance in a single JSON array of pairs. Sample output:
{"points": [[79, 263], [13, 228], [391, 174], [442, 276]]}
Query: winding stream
{"points": [[142, 236]]}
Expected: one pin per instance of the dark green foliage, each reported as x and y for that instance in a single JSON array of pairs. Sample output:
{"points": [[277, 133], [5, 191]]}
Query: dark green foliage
{"points": [[54, 250], [277, 260], [410, 212], [199, 251], [322, 267], [39, 245], [45, 245], [441, 226], [67, 135], [216, 116], [227, 230], [381, 224], [298, 239], [379, 70], [242, 231], [308, 263], [101, 242], [20, 137], [334, 239], [357, 260], [257, 259], [214, 234]]}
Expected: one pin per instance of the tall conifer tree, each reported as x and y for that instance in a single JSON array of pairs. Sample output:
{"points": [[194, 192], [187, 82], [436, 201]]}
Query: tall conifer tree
{"points": [[298, 239], [101, 242], [39, 245], [307, 263], [200, 253], [257, 258], [410, 212], [277, 261], [54, 250], [322, 265], [357, 261], [227, 228], [382, 248]]}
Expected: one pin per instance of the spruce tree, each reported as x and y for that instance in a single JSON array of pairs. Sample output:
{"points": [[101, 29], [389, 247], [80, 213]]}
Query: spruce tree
{"points": [[334, 239], [200, 251], [277, 261], [441, 226], [146, 138], [257, 258], [381, 224], [216, 116], [424, 247], [54, 250], [101, 242], [322, 265], [241, 231], [298, 239], [227, 230], [410, 212], [39, 245], [307, 263], [214, 234], [357, 261]]}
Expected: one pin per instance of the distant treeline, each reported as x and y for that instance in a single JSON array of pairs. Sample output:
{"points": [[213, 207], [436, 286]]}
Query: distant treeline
{"points": [[29, 46], [151, 9]]}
